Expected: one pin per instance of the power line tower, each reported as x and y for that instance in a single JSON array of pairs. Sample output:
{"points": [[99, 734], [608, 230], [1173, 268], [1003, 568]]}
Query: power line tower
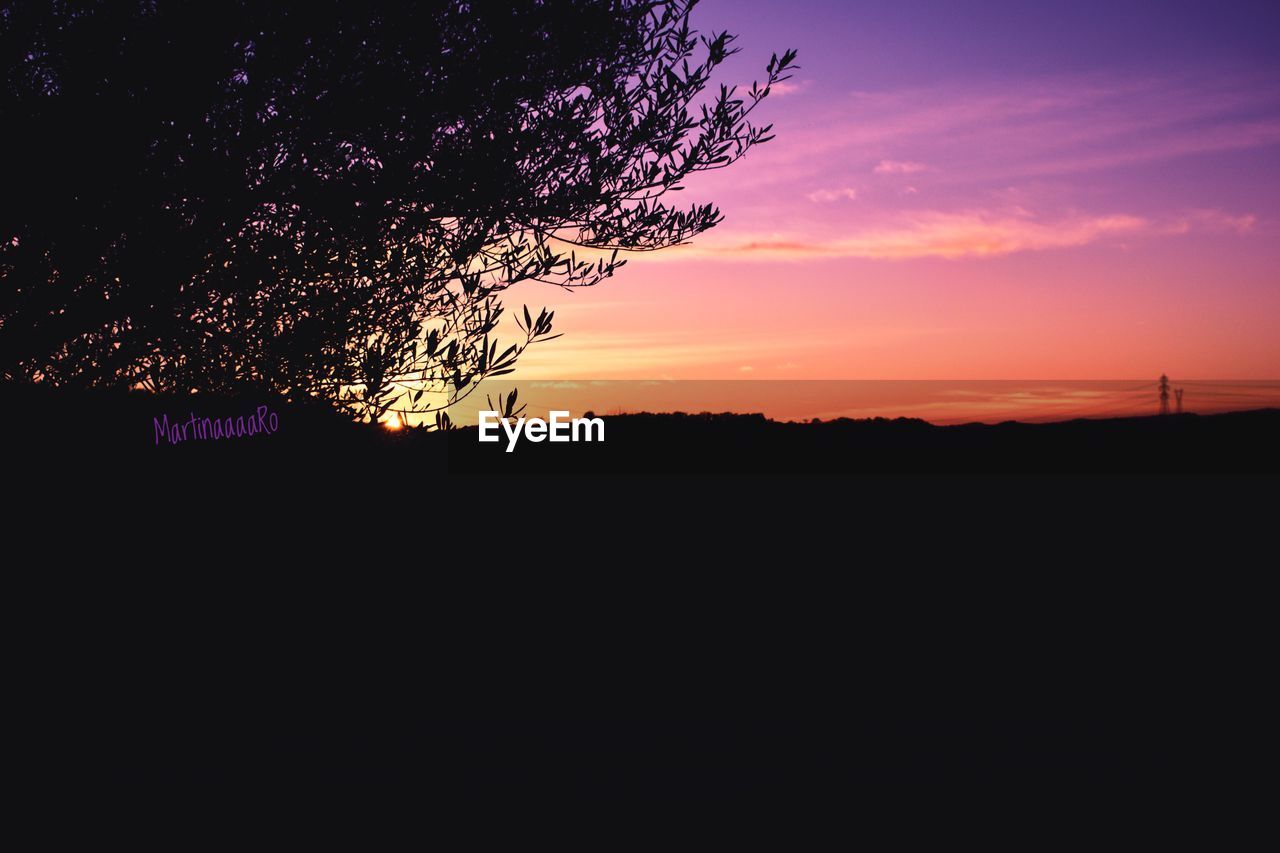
{"points": [[1177, 400], [1164, 394]]}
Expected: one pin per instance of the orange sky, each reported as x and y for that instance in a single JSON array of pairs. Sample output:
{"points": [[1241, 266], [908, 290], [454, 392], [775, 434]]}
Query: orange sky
{"points": [[1092, 313]]}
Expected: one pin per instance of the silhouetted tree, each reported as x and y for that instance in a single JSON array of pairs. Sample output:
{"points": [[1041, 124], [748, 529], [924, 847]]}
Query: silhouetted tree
{"points": [[328, 198]]}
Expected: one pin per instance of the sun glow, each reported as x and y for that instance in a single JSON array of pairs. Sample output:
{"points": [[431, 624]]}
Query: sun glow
{"points": [[392, 422]]}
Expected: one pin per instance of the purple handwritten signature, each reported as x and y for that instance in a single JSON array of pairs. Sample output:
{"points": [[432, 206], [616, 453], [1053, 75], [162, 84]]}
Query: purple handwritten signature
{"points": [[262, 422]]}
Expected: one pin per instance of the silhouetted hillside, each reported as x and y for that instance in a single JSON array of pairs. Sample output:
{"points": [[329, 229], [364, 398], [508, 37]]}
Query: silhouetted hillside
{"points": [[1240, 443], [126, 432]]}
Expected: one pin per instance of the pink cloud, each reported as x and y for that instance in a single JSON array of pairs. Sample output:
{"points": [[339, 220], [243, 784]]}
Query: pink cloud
{"points": [[788, 87], [1213, 221], [898, 167], [969, 134], [825, 196], [626, 351], [934, 234], [970, 234], [1228, 136]]}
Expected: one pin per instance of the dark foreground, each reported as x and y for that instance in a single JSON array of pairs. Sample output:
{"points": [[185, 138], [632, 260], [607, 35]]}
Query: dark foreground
{"points": [[1235, 443], [222, 616], [53, 429]]}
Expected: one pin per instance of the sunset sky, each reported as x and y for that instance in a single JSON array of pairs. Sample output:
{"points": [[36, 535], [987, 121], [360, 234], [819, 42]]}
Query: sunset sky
{"points": [[971, 190]]}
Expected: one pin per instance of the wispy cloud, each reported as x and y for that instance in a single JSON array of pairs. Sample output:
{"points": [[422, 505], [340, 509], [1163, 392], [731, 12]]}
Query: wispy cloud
{"points": [[646, 354], [827, 196], [1213, 221], [788, 87], [948, 235], [973, 234], [899, 167], [981, 133], [995, 168], [1228, 136]]}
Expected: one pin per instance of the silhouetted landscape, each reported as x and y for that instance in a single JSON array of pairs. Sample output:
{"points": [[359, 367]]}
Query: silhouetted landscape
{"points": [[87, 426], [1242, 442]]}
